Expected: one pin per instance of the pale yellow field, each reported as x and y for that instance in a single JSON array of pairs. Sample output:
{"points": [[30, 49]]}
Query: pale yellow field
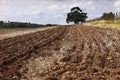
{"points": [[105, 24]]}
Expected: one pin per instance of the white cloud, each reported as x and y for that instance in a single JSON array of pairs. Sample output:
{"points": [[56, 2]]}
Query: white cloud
{"points": [[117, 4], [53, 7], [84, 5], [45, 11], [75, 4], [90, 3], [40, 11], [93, 7]]}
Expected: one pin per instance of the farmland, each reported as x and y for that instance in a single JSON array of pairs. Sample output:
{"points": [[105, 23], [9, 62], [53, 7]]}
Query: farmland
{"points": [[62, 53], [104, 24], [12, 32]]}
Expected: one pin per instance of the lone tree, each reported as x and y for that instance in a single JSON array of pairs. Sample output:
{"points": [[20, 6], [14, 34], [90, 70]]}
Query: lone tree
{"points": [[76, 15]]}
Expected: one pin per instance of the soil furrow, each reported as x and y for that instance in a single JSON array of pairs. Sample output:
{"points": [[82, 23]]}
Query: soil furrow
{"points": [[68, 53]]}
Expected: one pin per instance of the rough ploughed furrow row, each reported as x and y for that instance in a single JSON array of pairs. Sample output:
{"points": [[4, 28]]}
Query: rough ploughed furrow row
{"points": [[10, 50], [24, 40], [6, 45], [98, 63], [111, 42], [89, 53], [24, 52], [87, 40], [97, 39], [24, 45]]}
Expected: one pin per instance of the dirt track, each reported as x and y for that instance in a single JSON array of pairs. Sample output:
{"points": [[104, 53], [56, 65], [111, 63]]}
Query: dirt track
{"points": [[85, 53]]}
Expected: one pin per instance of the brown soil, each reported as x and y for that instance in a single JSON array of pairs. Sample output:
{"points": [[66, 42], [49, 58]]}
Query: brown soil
{"points": [[62, 53], [13, 32]]}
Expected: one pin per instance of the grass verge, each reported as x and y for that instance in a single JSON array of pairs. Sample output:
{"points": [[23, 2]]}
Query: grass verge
{"points": [[104, 24]]}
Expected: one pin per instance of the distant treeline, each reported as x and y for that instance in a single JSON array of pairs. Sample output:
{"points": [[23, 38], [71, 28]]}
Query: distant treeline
{"points": [[108, 16], [22, 25]]}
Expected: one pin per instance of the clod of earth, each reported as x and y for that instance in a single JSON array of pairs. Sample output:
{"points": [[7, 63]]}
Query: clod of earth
{"points": [[62, 53]]}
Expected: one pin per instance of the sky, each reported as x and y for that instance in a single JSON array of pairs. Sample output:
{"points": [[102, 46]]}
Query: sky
{"points": [[52, 11]]}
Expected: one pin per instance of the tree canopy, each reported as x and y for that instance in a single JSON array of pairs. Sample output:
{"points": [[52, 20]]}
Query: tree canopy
{"points": [[76, 15], [108, 16]]}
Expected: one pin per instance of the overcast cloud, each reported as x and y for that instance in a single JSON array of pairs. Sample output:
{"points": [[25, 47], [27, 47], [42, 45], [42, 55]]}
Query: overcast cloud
{"points": [[52, 11]]}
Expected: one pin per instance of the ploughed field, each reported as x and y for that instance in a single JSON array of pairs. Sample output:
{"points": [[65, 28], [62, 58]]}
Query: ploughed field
{"points": [[12, 32], [62, 53]]}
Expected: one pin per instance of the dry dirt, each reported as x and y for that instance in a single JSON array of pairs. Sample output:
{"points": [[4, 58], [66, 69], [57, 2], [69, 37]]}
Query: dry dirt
{"points": [[13, 32], [62, 53]]}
